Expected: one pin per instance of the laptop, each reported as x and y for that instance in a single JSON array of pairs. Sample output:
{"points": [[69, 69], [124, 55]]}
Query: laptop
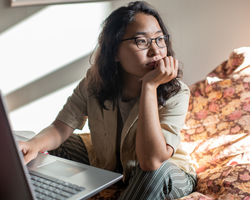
{"points": [[68, 179]]}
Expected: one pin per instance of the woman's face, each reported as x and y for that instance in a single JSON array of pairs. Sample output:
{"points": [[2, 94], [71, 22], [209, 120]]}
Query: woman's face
{"points": [[134, 61]]}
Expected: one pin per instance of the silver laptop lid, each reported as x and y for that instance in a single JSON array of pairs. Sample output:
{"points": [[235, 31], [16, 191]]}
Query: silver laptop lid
{"points": [[14, 183]]}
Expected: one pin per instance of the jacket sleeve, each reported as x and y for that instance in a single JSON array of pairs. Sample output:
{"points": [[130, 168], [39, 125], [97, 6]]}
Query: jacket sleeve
{"points": [[172, 116], [74, 112]]}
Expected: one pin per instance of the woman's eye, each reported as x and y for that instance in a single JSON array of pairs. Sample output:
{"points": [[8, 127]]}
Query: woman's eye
{"points": [[142, 41], [159, 39]]}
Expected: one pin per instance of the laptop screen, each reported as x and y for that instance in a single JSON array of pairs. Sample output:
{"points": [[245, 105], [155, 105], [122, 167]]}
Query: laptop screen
{"points": [[14, 183]]}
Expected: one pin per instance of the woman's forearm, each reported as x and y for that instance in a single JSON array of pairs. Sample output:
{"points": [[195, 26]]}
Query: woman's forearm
{"points": [[52, 136], [151, 147]]}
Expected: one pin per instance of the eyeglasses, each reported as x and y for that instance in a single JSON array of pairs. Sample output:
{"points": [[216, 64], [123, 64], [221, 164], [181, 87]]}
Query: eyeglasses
{"points": [[143, 42]]}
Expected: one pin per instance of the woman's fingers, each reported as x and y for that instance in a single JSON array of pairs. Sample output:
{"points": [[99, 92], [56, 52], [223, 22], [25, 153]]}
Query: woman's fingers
{"points": [[28, 152], [165, 70], [176, 66], [171, 66], [171, 59]]}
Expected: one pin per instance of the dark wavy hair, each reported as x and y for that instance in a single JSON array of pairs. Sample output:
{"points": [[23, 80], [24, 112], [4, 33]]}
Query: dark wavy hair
{"points": [[105, 77]]}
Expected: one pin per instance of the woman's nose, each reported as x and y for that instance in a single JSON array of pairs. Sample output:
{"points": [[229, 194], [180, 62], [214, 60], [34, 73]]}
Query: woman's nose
{"points": [[153, 49]]}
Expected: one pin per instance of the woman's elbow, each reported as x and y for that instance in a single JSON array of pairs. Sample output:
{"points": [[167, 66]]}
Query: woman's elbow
{"points": [[150, 165], [153, 163]]}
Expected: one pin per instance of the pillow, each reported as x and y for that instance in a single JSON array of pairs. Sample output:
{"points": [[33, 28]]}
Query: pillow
{"points": [[217, 125], [228, 183]]}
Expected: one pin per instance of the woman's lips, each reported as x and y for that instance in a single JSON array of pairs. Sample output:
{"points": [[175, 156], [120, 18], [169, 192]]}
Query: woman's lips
{"points": [[152, 64]]}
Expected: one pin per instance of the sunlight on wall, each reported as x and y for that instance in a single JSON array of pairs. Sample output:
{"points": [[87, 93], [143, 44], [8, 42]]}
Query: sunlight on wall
{"points": [[51, 38], [41, 44], [39, 114]]}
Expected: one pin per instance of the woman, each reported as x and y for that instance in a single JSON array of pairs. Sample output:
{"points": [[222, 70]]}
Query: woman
{"points": [[135, 107]]}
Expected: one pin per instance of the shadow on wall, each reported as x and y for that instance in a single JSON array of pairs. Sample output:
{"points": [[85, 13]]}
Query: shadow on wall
{"points": [[14, 17], [47, 84]]}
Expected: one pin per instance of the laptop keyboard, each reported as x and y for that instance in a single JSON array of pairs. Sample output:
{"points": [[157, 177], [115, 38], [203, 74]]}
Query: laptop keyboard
{"points": [[47, 188]]}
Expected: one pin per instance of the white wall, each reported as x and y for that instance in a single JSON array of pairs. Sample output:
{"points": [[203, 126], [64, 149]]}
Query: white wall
{"points": [[44, 51]]}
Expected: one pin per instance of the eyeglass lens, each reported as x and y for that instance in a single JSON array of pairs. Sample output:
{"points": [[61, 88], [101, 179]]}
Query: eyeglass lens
{"points": [[145, 42]]}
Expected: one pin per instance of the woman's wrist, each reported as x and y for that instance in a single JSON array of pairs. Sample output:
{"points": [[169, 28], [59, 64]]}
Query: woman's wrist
{"points": [[149, 86]]}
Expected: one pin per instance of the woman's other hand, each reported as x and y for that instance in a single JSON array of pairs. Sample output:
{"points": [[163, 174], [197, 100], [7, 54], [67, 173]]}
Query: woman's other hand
{"points": [[29, 151]]}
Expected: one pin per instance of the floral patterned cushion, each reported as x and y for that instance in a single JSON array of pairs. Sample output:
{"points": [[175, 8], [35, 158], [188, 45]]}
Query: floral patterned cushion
{"points": [[229, 182], [224, 183], [217, 125]]}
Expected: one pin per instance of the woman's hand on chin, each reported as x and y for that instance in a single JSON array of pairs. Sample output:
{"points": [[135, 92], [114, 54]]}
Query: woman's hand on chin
{"points": [[165, 70]]}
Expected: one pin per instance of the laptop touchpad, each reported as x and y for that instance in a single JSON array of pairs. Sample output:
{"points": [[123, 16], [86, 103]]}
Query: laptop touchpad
{"points": [[62, 169]]}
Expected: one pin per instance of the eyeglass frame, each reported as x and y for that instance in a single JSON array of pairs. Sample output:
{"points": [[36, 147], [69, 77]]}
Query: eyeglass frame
{"points": [[134, 38]]}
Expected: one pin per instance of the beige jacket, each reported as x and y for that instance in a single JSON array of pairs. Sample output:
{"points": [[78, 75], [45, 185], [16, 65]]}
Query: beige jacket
{"points": [[101, 142]]}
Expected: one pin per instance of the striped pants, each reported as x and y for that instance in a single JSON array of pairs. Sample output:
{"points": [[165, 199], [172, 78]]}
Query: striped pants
{"points": [[167, 182]]}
